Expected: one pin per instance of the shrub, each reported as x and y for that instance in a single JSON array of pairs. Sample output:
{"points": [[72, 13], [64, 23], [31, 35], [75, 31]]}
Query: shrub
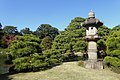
{"points": [[116, 69], [26, 53], [3, 58], [81, 63], [46, 43], [113, 51], [53, 57]]}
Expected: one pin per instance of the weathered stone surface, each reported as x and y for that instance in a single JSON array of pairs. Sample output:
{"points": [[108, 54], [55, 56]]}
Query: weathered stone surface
{"points": [[91, 24], [92, 50], [92, 55], [94, 64]]}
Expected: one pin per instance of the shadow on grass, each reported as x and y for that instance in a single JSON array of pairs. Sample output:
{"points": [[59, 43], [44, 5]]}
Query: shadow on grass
{"points": [[5, 76]]}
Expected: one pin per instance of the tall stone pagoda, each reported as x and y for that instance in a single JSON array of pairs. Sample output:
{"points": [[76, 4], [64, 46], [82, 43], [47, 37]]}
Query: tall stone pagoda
{"points": [[92, 24]]}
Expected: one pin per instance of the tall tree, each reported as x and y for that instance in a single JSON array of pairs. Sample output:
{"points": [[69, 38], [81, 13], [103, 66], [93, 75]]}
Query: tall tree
{"points": [[25, 31], [1, 33], [9, 33], [71, 40], [116, 28], [75, 23], [46, 30], [10, 30]]}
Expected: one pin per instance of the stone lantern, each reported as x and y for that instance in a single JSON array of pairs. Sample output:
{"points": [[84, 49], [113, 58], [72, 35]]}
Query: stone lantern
{"points": [[91, 24]]}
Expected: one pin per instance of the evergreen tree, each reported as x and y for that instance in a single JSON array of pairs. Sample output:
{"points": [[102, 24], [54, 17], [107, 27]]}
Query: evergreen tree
{"points": [[46, 43], [10, 30], [26, 53], [72, 39], [113, 51], [46, 30], [75, 23], [26, 31]]}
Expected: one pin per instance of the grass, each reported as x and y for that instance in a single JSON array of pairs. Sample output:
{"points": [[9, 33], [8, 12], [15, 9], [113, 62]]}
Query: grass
{"points": [[66, 71]]}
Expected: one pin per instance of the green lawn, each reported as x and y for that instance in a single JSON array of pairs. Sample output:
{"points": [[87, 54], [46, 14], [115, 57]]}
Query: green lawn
{"points": [[66, 71]]}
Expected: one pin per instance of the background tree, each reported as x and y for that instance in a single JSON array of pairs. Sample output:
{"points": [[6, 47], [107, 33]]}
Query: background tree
{"points": [[116, 28], [10, 30], [3, 44], [46, 30], [9, 33], [26, 31], [1, 33], [103, 32], [8, 39], [46, 43], [75, 23]]}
